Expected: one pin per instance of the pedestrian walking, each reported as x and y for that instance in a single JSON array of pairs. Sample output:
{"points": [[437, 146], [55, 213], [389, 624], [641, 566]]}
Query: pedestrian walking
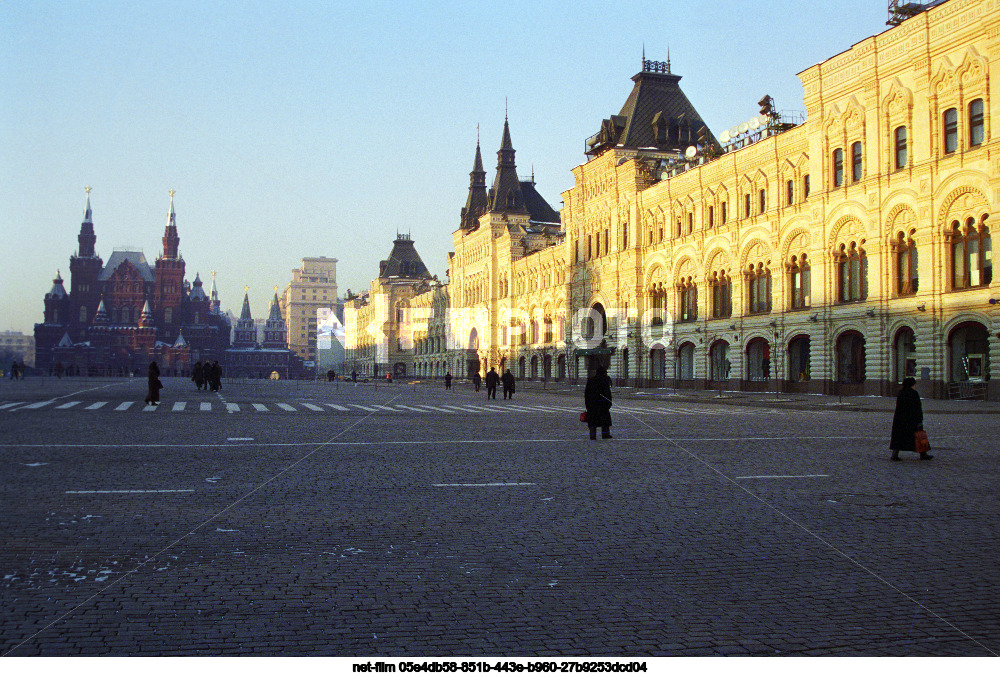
{"points": [[354, 376], [492, 380], [13, 370], [476, 380], [907, 419], [447, 380], [198, 375], [597, 399], [216, 376], [153, 381], [508, 384]]}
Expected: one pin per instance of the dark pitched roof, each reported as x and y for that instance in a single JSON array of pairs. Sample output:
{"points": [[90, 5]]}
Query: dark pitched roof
{"points": [[135, 258], [656, 114], [540, 211], [404, 261]]}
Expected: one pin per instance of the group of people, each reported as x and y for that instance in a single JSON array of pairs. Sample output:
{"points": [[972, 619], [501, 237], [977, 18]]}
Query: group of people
{"points": [[207, 375], [493, 380]]}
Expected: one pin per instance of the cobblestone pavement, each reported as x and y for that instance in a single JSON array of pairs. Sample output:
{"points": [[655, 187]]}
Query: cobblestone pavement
{"points": [[406, 520]]}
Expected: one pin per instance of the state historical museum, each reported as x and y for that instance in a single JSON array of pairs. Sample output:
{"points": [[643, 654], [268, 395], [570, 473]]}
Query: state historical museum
{"points": [[120, 316]]}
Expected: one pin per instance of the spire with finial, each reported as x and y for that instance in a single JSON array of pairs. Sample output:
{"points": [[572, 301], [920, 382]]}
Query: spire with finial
{"points": [[476, 202], [170, 239], [505, 195], [86, 239], [668, 59]]}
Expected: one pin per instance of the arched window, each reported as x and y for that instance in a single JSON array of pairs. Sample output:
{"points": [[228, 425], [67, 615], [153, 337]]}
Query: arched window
{"points": [[689, 300], [857, 169], [976, 128], [685, 362], [906, 265], [901, 152], [719, 364], [904, 355], [798, 359], [852, 265], [722, 295], [759, 288], [800, 278], [548, 329], [950, 130], [971, 254]]}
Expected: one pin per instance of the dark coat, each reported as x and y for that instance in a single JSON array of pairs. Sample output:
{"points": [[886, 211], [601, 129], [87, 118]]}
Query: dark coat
{"points": [[508, 381], [909, 414], [492, 379], [153, 381], [597, 399]]}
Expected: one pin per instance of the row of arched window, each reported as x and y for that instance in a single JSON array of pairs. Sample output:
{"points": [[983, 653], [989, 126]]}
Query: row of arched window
{"points": [[970, 250]]}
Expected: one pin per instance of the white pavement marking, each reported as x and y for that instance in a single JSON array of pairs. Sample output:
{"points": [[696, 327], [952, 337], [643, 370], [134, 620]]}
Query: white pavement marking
{"points": [[442, 410], [10, 404], [313, 407], [259, 407], [462, 409], [149, 408], [286, 407], [37, 404], [96, 405], [338, 407], [206, 406], [179, 405], [232, 408], [124, 406], [479, 485], [69, 404], [385, 408], [161, 490], [784, 476], [363, 408], [239, 438], [408, 408]]}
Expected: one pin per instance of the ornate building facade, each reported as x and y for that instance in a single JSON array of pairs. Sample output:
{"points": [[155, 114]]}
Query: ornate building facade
{"points": [[270, 358], [119, 316], [837, 255], [313, 287]]}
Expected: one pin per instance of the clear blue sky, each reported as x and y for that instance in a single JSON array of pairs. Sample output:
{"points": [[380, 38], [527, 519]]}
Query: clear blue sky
{"points": [[292, 129]]}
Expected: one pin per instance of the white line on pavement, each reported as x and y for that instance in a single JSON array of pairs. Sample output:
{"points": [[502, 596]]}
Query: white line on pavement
{"points": [[205, 406], [363, 408], [124, 406], [69, 404], [179, 405], [479, 485], [260, 407], [232, 408], [313, 407], [783, 476], [96, 405], [161, 490], [286, 407], [10, 404], [338, 407]]}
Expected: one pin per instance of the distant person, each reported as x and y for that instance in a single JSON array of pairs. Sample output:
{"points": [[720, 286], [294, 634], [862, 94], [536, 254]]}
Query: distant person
{"points": [[907, 419], [597, 399], [476, 380], [198, 375], [215, 376], [447, 380], [59, 370], [388, 378], [331, 376], [153, 381], [508, 384], [13, 370], [492, 380], [354, 376]]}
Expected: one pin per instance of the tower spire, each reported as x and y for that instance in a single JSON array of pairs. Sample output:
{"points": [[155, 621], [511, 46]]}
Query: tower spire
{"points": [[86, 239], [170, 239]]}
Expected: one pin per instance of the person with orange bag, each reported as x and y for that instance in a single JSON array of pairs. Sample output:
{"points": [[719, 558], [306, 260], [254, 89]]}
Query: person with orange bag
{"points": [[907, 421]]}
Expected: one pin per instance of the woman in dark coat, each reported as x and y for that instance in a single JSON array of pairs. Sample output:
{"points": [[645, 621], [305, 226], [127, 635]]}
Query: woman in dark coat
{"points": [[198, 376], [908, 417], [153, 396], [597, 399]]}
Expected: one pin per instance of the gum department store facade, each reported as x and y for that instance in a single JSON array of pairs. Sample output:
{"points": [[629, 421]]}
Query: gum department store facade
{"points": [[839, 255]]}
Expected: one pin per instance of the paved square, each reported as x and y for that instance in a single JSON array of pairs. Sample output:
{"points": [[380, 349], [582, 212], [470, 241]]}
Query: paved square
{"points": [[311, 518]]}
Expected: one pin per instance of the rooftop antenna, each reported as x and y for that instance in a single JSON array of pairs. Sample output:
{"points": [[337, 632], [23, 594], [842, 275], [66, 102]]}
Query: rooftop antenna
{"points": [[668, 59]]}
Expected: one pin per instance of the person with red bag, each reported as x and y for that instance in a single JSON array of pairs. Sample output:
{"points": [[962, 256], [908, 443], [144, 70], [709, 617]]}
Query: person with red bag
{"points": [[907, 423]]}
